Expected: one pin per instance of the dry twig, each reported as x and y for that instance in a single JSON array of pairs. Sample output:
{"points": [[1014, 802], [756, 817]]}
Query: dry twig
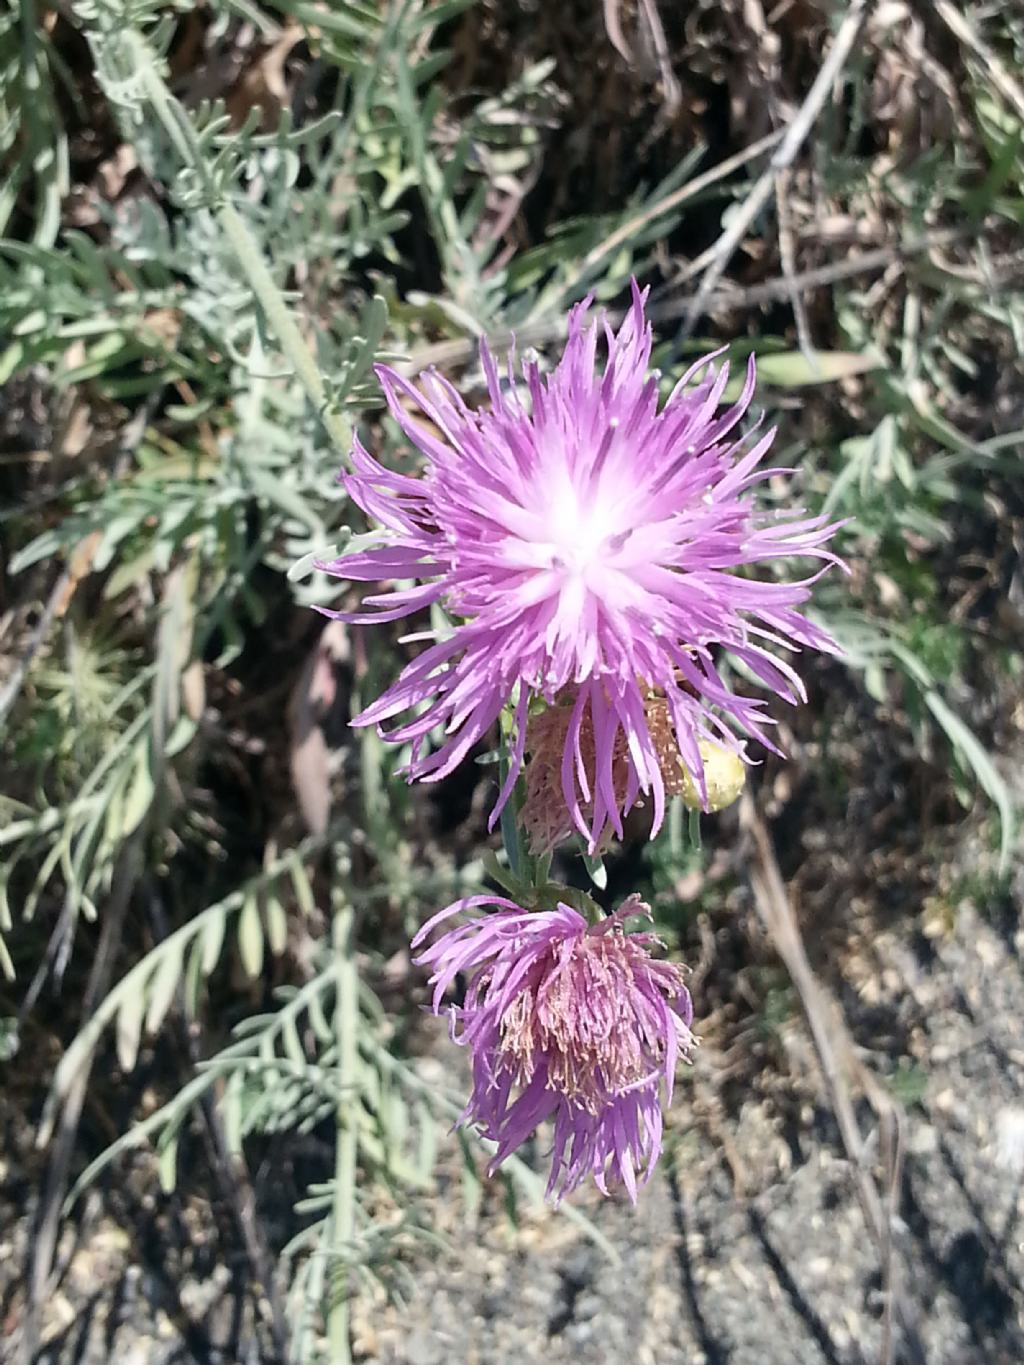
{"points": [[787, 255], [671, 91], [628, 230], [654, 35], [462, 349], [783, 157]]}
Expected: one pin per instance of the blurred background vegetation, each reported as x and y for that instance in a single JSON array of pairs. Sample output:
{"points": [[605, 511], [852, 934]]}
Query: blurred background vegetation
{"points": [[213, 219]]}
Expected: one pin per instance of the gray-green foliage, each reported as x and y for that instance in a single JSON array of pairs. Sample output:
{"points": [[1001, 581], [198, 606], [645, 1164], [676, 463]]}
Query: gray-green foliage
{"points": [[221, 469], [909, 478], [32, 140]]}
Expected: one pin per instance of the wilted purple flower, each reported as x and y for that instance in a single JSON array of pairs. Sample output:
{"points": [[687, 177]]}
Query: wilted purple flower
{"points": [[569, 1022], [583, 544]]}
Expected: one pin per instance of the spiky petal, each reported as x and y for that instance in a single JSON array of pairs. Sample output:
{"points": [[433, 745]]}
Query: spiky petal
{"points": [[565, 1021]]}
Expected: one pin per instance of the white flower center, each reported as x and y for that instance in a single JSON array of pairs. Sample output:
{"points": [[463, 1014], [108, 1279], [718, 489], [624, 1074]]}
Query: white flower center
{"points": [[580, 537]]}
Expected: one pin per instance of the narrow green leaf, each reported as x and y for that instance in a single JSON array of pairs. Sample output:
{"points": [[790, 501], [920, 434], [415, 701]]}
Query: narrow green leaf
{"points": [[129, 1028], [318, 1020], [974, 754], [212, 940], [373, 324], [163, 985], [292, 1043], [250, 936], [231, 1107], [596, 870], [193, 980], [303, 889], [167, 1150], [277, 925], [140, 790], [794, 370]]}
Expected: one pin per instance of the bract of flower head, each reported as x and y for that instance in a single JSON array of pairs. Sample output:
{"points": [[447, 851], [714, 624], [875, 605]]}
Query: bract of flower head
{"points": [[584, 541], [566, 1021], [544, 815]]}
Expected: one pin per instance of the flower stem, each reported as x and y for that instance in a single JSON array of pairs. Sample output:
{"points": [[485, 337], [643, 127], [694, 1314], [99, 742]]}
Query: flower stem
{"points": [[346, 1151]]}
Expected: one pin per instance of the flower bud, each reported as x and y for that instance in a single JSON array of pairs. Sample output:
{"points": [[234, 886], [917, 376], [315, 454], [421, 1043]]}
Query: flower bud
{"points": [[725, 774]]}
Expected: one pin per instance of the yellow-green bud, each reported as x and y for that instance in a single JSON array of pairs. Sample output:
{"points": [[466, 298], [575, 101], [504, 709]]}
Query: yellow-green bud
{"points": [[724, 773]]}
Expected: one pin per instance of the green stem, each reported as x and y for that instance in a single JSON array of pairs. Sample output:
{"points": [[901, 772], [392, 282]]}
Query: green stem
{"points": [[283, 324], [346, 1151], [511, 834], [247, 252]]}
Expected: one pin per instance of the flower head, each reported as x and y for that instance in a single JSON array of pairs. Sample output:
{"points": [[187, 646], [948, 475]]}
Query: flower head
{"points": [[583, 543], [565, 1021]]}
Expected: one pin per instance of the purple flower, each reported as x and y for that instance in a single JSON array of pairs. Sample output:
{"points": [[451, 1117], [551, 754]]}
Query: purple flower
{"points": [[583, 544], [569, 1022]]}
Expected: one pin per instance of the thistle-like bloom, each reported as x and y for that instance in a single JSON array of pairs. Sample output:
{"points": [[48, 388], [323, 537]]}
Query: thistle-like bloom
{"points": [[569, 1022], [583, 544]]}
